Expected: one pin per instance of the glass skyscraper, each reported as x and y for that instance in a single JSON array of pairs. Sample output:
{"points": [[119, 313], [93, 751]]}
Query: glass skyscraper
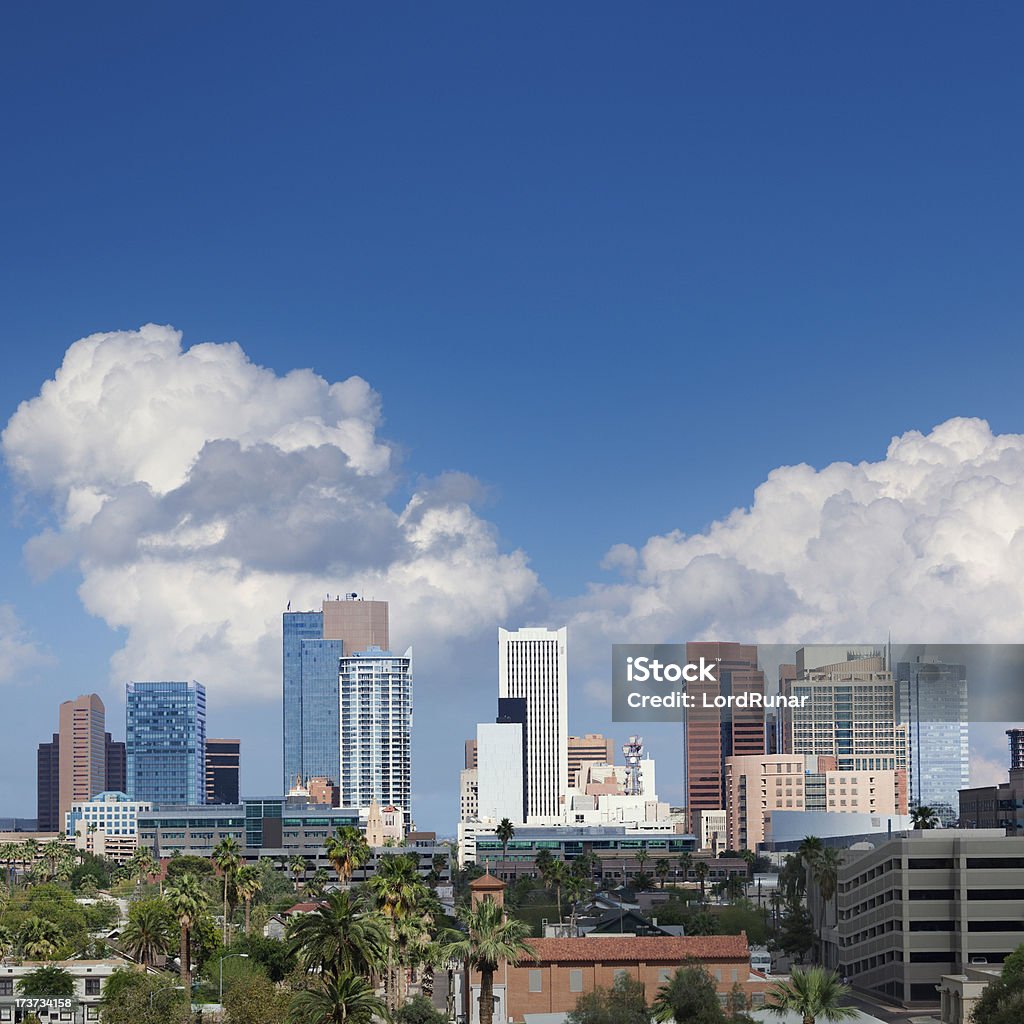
{"points": [[166, 742], [376, 729], [310, 699], [932, 699]]}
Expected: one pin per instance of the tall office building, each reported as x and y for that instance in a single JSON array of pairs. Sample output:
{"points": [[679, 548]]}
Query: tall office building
{"points": [[932, 704], [117, 765], [166, 742], [1016, 740], [314, 643], [533, 665], [83, 763], [375, 698], [849, 713], [711, 734], [223, 759], [593, 748], [48, 786]]}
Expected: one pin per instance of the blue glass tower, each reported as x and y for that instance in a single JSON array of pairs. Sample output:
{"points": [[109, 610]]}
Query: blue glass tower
{"points": [[310, 673], [166, 742]]}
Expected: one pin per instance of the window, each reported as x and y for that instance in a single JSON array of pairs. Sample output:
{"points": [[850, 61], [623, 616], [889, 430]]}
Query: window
{"points": [[575, 981], [535, 981], [92, 986], [6, 986]]}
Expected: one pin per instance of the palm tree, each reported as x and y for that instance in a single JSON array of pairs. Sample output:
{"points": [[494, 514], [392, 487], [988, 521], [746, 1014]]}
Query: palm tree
{"points": [[227, 855], [39, 938], [685, 864], [825, 871], [399, 893], [812, 993], [661, 870], [555, 878], [147, 934], [8, 855], [702, 871], [248, 884], [187, 899], [314, 889], [505, 831], [924, 817], [489, 941], [342, 936], [641, 859], [339, 999], [347, 850], [748, 856], [298, 866]]}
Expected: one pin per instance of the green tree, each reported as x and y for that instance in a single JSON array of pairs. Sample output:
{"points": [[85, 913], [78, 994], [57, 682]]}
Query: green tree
{"points": [[248, 884], [555, 875], [187, 901], [1002, 1001], [346, 850], [227, 855], [186, 864], [797, 934], [814, 993], [661, 870], [342, 936], [47, 981], [340, 999], [490, 939], [131, 996], [149, 932], [701, 870], [505, 831], [419, 1010], [624, 1003], [252, 999], [275, 958], [924, 817], [685, 864], [298, 866], [40, 939], [825, 871], [690, 996]]}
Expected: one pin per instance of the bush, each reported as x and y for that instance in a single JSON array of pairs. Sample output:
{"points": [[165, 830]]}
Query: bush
{"points": [[420, 1010]]}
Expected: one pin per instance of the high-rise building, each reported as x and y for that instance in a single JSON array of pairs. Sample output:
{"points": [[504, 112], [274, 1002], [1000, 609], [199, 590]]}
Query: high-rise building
{"points": [[314, 643], [48, 785], [375, 696], [849, 712], [711, 734], [500, 774], [471, 754], [932, 704], [533, 664], [166, 742], [223, 760], [117, 765], [592, 748], [82, 750]]}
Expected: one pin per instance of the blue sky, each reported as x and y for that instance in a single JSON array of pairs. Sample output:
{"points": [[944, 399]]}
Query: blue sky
{"points": [[615, 265]]}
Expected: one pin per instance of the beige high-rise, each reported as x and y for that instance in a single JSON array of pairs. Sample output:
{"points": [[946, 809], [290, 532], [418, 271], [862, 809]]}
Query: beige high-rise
{"points": [[358, 624], [83, 759]]}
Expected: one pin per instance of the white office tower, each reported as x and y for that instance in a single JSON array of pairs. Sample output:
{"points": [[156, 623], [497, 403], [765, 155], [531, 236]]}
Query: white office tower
{"points": [[500, 771], [532, 666]]}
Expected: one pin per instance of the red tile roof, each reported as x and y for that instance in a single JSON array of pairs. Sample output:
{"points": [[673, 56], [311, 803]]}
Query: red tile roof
{"points": [[646, 948]]}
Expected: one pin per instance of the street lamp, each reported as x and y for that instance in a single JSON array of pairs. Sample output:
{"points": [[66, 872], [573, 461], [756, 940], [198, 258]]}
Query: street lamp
{"points": [[174, 988], [220, 971]]}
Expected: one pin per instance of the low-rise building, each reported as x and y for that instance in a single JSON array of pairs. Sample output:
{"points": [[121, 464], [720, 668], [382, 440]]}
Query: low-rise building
{"points": [[1000, 806], [107, 825], [919, 907]]}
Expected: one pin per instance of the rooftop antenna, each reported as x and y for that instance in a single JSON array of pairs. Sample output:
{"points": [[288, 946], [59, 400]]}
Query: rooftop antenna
{"points": [[633, 751]]}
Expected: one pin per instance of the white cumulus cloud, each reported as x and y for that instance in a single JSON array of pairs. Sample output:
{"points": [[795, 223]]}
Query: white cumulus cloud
{"points": [[20, 655], [927, 542], [197, 493]]}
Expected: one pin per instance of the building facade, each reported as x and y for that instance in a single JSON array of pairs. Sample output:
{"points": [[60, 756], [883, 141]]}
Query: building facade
{"points": [[375, 698], [932, 704], [223, 763], [106, 825], [756, 786], [1000, 806], [533, 666], [166, 742], [500, 772], [48, 785], [117, 765], [916, 908], [711, 734], [593, 748]]}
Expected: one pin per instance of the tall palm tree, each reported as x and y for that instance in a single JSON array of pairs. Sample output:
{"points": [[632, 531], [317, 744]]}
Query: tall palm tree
{"points": [[187, 900], [702, 871], [339, 999], [825, 871], [661, 870], [227, 855], [505, 831], [147, 934], [400, 894], [748, 857], [924, 817], [344, 935], [346, 851], [555, 878], [248, 884], [642, 856], [9, 855], [298, 866], [39, 938], [813, 993], [685, 864], [489, 941]]}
